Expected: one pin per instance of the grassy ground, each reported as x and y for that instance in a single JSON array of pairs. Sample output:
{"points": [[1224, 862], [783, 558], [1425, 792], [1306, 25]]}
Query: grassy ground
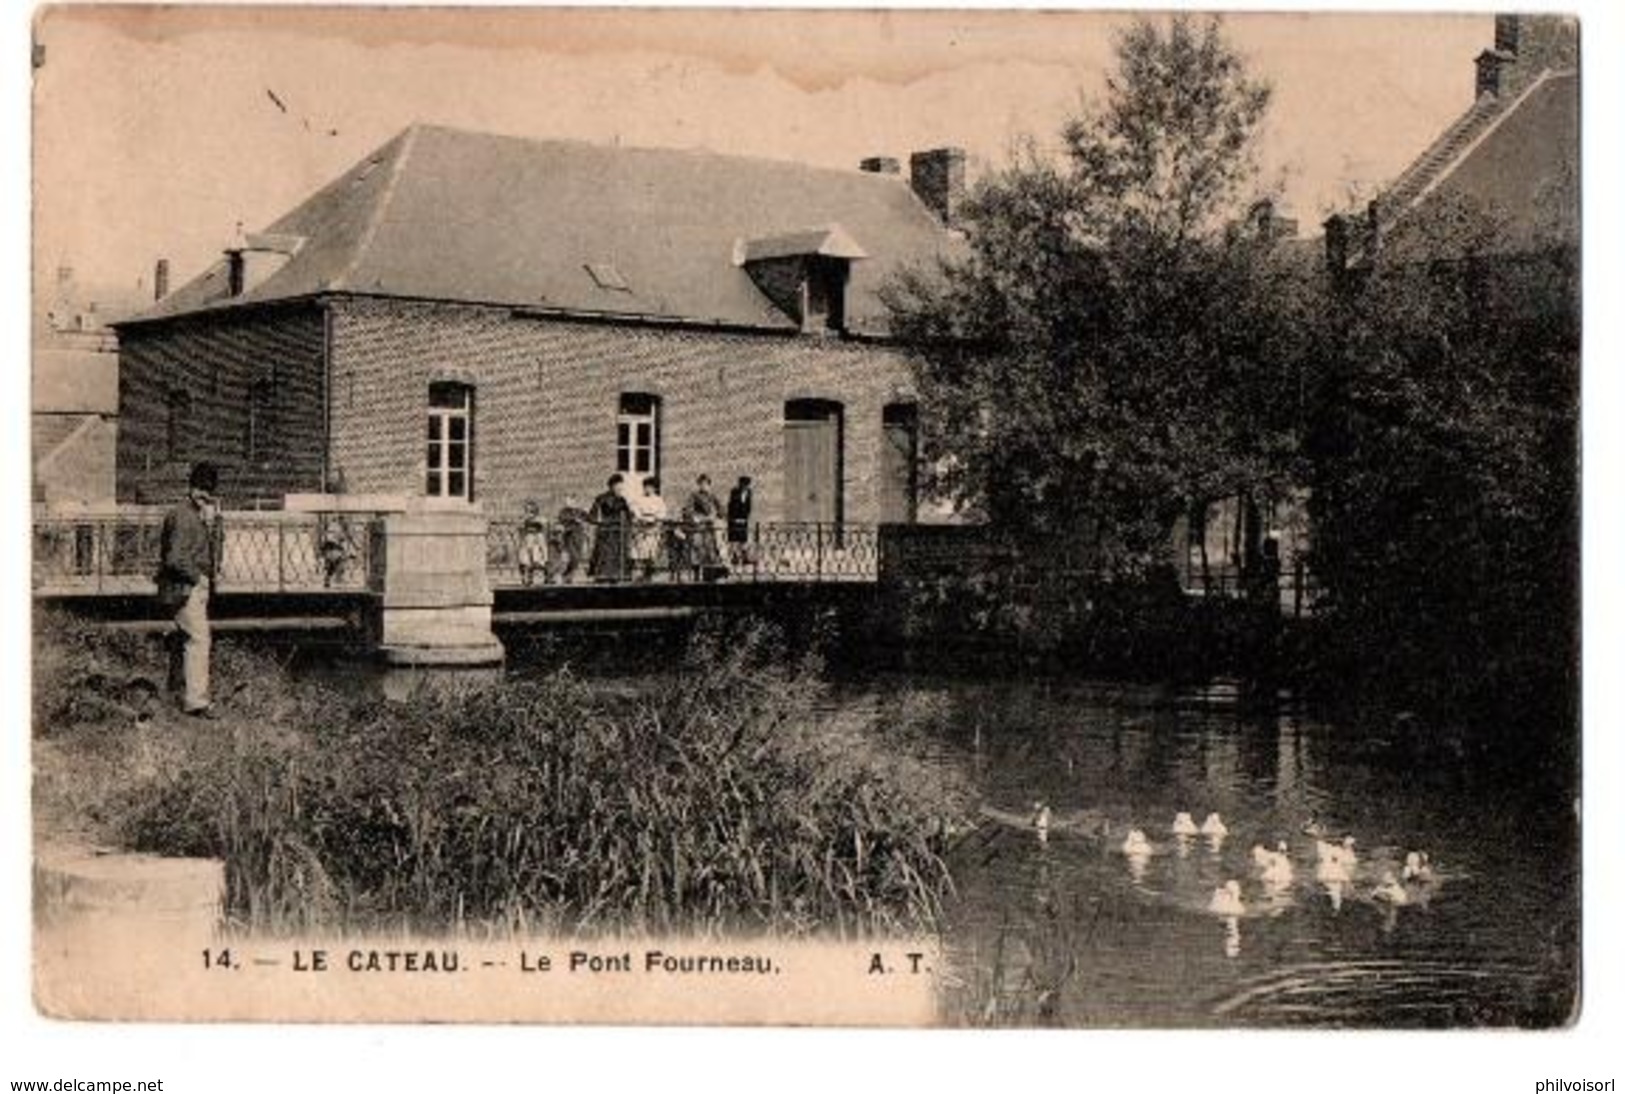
{"points": [[719, 800]]}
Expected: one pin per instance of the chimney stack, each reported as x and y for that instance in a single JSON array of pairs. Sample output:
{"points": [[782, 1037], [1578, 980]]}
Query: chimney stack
{"points": [[938, 179], [160, 279], [881, 165], [1490, 72], [1539, 42], [1525, 47], [1267, 221], [1337, 244]]}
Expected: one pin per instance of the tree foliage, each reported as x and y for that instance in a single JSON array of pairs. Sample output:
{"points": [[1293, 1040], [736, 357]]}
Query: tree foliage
{"points": [[1442, 461], [1116, 345]]}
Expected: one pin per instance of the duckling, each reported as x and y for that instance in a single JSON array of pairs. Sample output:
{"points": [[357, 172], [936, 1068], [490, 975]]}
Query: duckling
{"points": [[1135, 844], [1339, 855], [1390, 891], [1417, 868], [1041, 816], [1332, 864], [1213, 825], [1277, 867], [1261, 856], [1184, 825], [1227, 900]]}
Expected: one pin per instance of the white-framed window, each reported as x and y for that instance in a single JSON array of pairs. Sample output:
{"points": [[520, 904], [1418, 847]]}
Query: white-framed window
{"points": [[637, 434], [450, 462]]}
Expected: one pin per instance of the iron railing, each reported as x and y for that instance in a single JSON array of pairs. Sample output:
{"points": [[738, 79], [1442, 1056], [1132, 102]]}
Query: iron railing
{"points": [[676, 551], [258, 552], [1296, 587]]}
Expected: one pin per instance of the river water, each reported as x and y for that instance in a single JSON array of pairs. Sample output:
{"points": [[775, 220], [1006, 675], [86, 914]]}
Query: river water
{"points": [[1064, 928]]}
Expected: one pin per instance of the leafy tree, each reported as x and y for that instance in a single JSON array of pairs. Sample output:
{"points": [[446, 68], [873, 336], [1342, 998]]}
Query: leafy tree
{"points": [[1116, 346], [1443, 469]]}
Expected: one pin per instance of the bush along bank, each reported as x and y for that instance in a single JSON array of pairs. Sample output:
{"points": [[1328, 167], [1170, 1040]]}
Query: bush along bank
{"points": [[1021, 615], [715, 799]]}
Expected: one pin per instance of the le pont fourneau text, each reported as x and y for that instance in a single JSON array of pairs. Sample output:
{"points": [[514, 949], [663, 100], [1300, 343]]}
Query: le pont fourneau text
{"points": [[581, 962]]}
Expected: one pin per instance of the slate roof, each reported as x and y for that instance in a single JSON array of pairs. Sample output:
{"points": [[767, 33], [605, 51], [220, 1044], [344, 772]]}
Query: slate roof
{"points": [[446, 214], [1514, 157]]}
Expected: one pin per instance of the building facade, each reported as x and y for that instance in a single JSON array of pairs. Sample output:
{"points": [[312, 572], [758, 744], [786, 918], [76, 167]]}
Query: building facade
{"points": [[74, 396], [490, 319]]}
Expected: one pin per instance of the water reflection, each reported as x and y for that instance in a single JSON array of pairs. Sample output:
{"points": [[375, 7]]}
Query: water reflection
{"points": [[1108, 918]]}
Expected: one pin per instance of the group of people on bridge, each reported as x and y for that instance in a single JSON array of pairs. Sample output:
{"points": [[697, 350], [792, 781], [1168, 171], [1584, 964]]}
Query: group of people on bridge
{"points": [[629, 533]]}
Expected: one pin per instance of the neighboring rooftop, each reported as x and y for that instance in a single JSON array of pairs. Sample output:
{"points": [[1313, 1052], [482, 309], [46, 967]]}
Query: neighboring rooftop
{"points": [[1513, 155], [74, 381], [446, 214], [1522, 168]]}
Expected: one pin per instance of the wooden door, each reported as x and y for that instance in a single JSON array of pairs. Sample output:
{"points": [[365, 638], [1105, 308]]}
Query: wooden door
{"points": [[812, 463]]}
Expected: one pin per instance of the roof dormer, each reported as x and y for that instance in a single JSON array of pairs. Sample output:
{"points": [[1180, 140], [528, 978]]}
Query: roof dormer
{"points": [[804, 274], [253, 258]]}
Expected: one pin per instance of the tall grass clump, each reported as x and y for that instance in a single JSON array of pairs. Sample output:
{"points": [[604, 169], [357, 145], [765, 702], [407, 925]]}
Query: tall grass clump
{"points": [[719, 798], [106, 732]]}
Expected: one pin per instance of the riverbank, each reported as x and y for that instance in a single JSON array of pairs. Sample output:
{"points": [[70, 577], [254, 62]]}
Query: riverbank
{"points": [[721, 802]]}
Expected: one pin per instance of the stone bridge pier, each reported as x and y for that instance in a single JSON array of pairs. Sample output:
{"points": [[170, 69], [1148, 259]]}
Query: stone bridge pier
{"points": [[433, 600]]}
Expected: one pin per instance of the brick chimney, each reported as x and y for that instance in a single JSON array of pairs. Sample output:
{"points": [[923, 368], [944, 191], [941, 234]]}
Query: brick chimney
{"points": [[881, 165], [1539, 41], [938, 179], [1267, 220], [1337, 244], [1491, 76], [1525, 47]]}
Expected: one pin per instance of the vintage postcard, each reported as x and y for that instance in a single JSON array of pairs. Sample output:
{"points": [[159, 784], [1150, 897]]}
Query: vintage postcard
{"points": [[869, 518]]}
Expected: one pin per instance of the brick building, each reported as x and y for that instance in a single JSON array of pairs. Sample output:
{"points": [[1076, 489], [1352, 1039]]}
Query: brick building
{"points": [[490, 318]]}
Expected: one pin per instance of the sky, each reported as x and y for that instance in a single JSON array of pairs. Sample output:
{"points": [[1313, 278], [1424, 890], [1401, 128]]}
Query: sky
{"points": [[156, 130]]}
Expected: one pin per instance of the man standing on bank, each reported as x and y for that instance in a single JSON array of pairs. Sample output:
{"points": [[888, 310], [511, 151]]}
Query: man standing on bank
{"points": [[187, 547]]}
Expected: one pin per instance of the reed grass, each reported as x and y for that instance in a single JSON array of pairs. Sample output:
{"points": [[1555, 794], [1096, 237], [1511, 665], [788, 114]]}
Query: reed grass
{"points": [[718, 799]]}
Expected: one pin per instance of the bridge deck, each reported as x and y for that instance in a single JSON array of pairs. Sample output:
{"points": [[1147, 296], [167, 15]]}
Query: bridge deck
{"points": [[319, 554]]}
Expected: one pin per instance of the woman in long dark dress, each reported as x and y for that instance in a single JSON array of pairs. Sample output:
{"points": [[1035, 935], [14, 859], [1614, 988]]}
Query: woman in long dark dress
{"points": [[611, 518]]}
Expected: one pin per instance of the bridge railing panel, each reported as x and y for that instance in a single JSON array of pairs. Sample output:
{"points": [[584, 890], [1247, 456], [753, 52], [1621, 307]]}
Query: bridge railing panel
{"points": [[97, 553], [813, 551], [677, 551], [258, 552], [263, 552]]}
